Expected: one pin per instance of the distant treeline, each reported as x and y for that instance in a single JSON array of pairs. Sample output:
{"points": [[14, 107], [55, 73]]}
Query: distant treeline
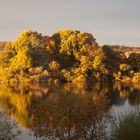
{"points": [[67, 55]]}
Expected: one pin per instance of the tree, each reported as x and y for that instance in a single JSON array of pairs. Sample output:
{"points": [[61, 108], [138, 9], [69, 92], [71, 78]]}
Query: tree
{"points": [[73, 42], [22, 60], [124, 67], [78, 52], [28, 38], [7, 53], [134, 61]]}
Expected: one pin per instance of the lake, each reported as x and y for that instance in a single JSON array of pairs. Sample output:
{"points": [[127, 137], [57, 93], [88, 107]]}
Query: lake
{"points": [[72, 111]]}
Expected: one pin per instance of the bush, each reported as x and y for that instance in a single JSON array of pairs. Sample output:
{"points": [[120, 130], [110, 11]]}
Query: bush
{"points": [[128, 128]]}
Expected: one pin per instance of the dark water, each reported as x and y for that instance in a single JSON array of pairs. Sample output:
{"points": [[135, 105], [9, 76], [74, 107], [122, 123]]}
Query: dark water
{"points": [[69, 111]]}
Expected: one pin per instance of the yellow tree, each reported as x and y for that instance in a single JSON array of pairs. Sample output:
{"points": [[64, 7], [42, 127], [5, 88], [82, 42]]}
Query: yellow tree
{"points": [[22, 60]]}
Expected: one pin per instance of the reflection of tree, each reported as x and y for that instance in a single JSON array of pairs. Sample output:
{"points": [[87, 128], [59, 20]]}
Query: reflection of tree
{"points": [[69, 111], [17, 100], [134, 97], [61, 112], [71, 115], [121, 92], [6, 127]]}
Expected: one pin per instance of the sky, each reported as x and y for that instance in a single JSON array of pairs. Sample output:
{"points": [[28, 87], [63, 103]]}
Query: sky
{"points": [[110, 21]]}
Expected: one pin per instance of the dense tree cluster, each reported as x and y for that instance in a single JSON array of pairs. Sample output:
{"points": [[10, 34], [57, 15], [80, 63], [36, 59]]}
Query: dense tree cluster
{"points": [[67, 55]]}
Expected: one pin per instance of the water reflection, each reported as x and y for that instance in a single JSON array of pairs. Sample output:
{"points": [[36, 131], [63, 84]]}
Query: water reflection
{"points": [[120, 93], [69, 111], [6, 128]]}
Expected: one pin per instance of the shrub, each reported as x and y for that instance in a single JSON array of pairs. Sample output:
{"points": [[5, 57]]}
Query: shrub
{"points": [[128, 128], [54, 65]]}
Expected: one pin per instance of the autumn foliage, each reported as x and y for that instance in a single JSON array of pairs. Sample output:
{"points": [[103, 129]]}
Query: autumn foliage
{"points": [[67, 55]]}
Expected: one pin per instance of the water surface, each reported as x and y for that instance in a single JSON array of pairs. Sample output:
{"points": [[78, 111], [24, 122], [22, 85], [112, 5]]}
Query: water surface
{"points": [[67, 111]]}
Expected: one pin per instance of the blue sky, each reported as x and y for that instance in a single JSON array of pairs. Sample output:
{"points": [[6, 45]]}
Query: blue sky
{"points": [[110, 21]]}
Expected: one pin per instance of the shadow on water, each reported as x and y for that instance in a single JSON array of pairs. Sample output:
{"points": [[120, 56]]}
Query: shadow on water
{"points": [[68, 111]]}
